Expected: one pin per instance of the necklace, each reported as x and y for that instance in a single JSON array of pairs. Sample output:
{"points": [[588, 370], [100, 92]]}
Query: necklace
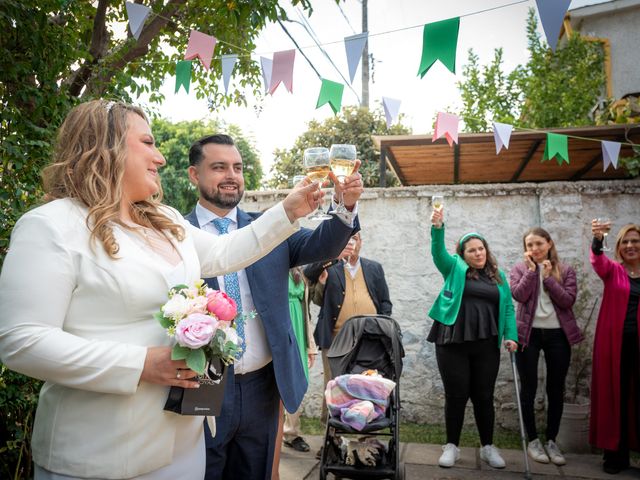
{"points": [[633, 273]]}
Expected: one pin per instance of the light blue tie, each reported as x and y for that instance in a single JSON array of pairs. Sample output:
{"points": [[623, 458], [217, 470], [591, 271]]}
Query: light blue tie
{"points": [[232, 286]]}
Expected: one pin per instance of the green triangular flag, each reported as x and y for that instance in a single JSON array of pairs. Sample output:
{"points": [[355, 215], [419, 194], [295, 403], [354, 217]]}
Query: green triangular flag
{"points": [[183, 75], [439, 42], [557, 146], [331, 93]]}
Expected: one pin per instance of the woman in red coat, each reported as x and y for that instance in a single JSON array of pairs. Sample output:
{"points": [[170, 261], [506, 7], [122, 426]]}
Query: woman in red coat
{"points": [[615, 416]]}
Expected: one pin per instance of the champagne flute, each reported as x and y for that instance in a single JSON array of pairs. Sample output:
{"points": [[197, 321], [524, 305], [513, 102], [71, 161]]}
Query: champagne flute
{"points": [[605, 223], [437, 202], [316, 162], [343, 161], [297, 179]]}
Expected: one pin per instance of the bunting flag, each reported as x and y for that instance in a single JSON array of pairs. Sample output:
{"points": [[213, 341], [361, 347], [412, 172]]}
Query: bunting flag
{"points": [[183, 75], [228, 62], [137, 15], [282, 70], [331, 93], [354, 45], [439, 42], [501, 135], [201, 46], [266, 64], [391, 108], [447, 125], [557, 146], [610, 152], [552, 14]]}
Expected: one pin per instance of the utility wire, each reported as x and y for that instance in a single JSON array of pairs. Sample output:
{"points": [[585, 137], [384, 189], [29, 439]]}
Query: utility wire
{"points": [[299, 49], [346, 19]]}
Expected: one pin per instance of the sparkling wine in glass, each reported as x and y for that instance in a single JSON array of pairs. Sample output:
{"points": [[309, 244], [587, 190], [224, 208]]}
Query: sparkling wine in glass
{"points": [[343, 161], [316, 163], [437, 202], [297, 179], [605, 223]]}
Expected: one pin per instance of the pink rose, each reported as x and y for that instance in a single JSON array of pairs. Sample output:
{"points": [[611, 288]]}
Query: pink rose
{"points": [[196, 330], [221, 305]]}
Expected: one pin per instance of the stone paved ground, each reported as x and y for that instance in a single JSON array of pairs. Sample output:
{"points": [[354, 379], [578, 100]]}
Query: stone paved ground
{"points": [[421, 462]]}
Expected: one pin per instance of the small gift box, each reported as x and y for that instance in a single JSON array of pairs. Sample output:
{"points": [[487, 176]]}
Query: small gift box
{"points": [[206, 400]]}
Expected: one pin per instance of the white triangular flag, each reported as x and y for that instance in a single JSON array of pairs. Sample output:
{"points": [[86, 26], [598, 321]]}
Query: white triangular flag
{"points": [[610, 152], [501, 135], [228, 62], [391, 108], [137, 15], [354, 45], [266, 64]]}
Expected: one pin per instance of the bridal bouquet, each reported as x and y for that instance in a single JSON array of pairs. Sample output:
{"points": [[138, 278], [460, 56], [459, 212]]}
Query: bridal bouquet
{"points": [[202, 321]]}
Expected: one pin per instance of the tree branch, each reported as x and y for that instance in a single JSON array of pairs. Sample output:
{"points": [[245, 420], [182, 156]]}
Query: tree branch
{"points": [[97, 49], [164, 21]]}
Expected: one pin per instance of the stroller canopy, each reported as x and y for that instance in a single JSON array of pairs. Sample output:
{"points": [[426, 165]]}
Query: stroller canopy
{"points": [[367, 342]]}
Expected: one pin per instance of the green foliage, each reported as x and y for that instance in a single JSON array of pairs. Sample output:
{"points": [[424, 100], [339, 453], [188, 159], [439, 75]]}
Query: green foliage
{"points": [[174, 140], [18, 400], [352, 125], [551, 90]]}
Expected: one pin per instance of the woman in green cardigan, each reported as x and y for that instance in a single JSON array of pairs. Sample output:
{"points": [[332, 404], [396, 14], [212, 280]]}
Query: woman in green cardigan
{"points": [[473, 316]]}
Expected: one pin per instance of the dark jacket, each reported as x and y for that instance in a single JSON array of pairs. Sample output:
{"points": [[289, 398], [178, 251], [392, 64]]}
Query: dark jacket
{"points": [[334, 293], [525, 288]]}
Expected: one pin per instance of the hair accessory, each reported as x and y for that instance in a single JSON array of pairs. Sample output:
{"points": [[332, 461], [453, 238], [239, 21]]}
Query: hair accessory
{"points": [[109, 106], [469, 235]]}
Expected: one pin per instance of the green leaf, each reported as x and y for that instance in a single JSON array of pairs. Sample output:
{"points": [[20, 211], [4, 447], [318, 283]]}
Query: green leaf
{"points": [[164, 321], [179, 352], [196, 361]]}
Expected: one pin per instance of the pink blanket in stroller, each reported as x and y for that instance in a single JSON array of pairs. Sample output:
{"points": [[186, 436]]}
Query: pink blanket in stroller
{"points": [[358, 399]]}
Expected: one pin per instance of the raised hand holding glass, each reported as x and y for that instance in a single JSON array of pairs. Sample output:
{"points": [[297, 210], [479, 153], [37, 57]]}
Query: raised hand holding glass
{"points": [[343, 161], [316, 162]]}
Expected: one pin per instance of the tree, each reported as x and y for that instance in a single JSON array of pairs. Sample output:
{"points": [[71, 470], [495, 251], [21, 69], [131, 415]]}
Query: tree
{"points": [[54, 53], [174, 140], [352, 125], [551, 90]]}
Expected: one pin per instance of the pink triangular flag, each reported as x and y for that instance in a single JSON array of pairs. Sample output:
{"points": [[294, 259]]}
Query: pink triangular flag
{"points": [[137, 15], [201, 46], [282, 70], [501, 135], [447, 125], [610, 152]]}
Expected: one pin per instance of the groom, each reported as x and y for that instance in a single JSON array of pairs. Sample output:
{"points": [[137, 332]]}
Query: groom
{"points": [[269, 369]]}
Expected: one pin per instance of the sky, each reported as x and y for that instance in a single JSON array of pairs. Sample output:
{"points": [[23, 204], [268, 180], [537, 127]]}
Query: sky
{"points": [[395, 40]]}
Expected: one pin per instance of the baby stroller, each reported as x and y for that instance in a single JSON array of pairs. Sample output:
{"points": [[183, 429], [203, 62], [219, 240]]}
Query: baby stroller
{"points": [[366, 342]]}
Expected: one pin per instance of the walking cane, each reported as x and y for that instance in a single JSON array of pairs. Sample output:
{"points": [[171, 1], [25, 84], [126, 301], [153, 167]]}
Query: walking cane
{"points": [[523, 436]]}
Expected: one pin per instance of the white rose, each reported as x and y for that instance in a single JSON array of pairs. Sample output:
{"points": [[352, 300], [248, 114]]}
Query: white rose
{"points": [[231, 335], [197, 305], [176, 307]]}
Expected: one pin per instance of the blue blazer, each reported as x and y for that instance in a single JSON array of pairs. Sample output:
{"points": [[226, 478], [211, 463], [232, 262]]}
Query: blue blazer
{"points": [[269, 282]]}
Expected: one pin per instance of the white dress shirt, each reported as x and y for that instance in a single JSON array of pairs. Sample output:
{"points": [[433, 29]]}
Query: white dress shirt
{"points": [[257, 352]]}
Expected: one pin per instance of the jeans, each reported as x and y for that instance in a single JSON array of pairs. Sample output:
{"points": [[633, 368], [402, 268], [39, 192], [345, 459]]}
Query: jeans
{"points": [[557, 354], [469, 370]]}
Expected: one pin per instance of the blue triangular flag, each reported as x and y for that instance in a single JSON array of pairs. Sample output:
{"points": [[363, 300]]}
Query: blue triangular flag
{"points": [[610, 152], [228, 62], [267, 65], [354, 45], [137, 15], [391, 108], [551, 15]]}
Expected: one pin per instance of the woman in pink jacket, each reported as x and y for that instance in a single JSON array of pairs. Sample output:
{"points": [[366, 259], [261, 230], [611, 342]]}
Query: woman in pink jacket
{"points": [[615, 384], [545, 290]]}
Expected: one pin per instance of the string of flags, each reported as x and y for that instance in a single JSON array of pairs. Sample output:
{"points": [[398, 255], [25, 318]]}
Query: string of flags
{"points": [[556, 145], [439, 43]]}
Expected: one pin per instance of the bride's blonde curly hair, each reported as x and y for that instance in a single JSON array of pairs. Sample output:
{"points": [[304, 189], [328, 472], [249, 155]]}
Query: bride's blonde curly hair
{"points": [[88, 166]]}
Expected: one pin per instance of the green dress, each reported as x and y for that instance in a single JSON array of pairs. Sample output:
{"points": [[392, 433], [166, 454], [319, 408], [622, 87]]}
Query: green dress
{"points": [[296, 297]]}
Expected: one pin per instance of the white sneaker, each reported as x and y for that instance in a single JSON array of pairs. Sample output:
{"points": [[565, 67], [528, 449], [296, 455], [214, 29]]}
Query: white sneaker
{"points": [[491, 455], [554, 453], [536, 451], [450, 454]]}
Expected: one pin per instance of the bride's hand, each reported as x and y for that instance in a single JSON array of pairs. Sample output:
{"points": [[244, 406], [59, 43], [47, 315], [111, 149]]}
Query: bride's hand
{"points": [[303, 199]]}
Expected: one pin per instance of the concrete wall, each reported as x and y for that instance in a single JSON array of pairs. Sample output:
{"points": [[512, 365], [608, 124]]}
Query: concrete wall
{"points": [[395, 230]]}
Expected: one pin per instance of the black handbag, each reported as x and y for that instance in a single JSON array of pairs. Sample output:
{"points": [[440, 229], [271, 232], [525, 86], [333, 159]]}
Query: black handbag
{"points": [[206, 400]]}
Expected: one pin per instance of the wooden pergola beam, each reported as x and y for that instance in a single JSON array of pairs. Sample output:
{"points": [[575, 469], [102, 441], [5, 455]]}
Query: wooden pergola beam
{"points": [[525, 161]]}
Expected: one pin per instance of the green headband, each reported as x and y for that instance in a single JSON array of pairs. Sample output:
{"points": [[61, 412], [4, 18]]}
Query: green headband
{"points": [[470, 235]]}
